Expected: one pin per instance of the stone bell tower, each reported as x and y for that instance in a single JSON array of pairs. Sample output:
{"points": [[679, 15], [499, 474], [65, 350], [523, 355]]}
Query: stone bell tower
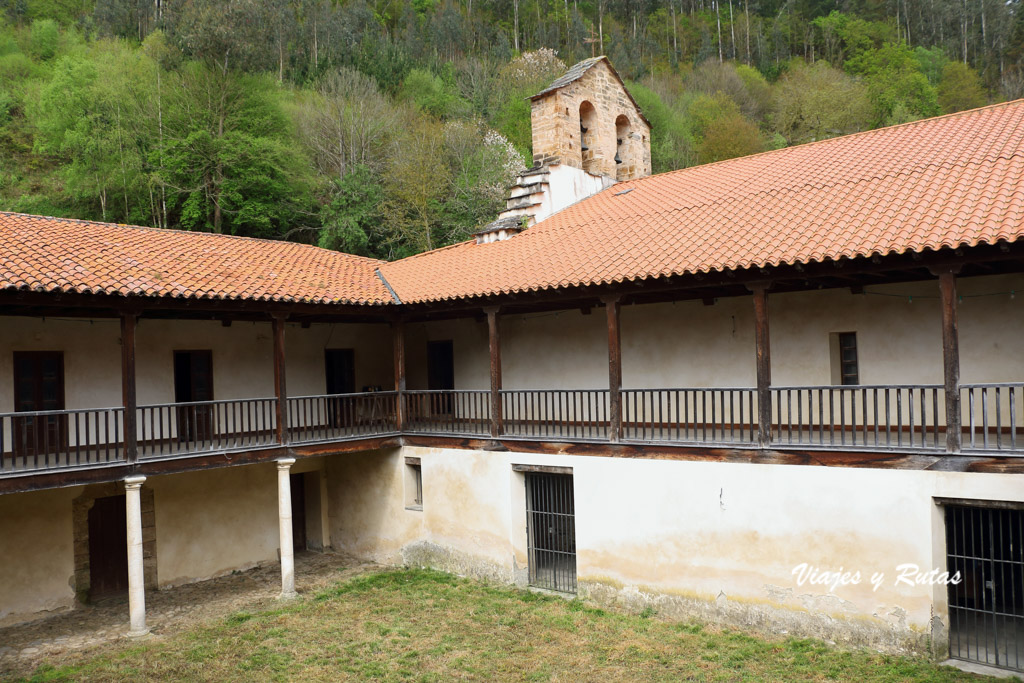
{"points": [[588, 120], [588, 134]]}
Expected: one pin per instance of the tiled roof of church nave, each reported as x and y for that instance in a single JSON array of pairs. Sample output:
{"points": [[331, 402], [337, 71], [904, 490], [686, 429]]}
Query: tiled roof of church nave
{"points": [[951, 181]]}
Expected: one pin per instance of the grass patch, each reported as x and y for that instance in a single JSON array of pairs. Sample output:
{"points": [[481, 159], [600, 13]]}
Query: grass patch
{"points": [[421, 625]]}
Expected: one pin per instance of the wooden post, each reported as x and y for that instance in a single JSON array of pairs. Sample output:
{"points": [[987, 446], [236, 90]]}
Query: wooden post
{"points": [[614, 368], [950, 357], [398, 347], [280, 390], [128, 395], [764, 364], [494, 344]]}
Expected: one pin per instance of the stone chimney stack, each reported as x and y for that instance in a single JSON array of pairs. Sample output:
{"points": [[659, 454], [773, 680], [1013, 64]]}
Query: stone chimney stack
{"points": [[588, 134]]}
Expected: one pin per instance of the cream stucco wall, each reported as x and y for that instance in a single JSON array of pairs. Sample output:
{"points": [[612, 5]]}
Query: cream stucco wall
{"points": [[36, 553], [212, 522], [712, 540], [242, 360], [689, 344]]}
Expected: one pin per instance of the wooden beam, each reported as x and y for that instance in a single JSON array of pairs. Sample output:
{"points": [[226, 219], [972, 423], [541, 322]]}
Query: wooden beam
{"points": [[398, 348], [494, 344], [614, 368], [76, 477], [764, 363], [950, 358], [763, 456], [128, 393], [280, 389]]}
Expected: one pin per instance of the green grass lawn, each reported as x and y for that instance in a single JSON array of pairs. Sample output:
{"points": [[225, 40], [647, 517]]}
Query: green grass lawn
{"points": [[428, 626]]}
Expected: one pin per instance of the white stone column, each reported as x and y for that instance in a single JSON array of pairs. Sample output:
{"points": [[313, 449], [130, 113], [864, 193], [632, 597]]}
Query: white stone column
{"points": [[284, 512], [136, 572]]}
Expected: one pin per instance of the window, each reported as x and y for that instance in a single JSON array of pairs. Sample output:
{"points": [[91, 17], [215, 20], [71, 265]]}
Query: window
{"points": [[845, 369], [413, 484]]}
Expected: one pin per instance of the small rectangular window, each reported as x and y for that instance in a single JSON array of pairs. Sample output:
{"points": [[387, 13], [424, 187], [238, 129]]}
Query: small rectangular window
{"points": [[849, 373], [413, 484]]}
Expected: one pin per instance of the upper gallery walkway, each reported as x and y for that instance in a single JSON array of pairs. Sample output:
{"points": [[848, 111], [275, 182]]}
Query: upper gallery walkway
{"points": [[896, 419], [941, 424]]}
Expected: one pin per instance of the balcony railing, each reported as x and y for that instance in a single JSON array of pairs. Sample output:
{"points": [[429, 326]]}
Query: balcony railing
{"points": [[990, 417], [870, 417], [890, 418], [169, 430], [455, 412], [579, 415], [59, 439], [692, 416], [337, 417]]}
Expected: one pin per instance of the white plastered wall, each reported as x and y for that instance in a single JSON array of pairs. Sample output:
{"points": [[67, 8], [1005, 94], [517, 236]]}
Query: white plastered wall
{"points": [[691, 344], [717, 541], [36, 553], [242, 356], [212, 522]]}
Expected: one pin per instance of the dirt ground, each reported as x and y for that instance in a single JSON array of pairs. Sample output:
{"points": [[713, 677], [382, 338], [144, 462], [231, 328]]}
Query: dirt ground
{"points": [[68, 636]]}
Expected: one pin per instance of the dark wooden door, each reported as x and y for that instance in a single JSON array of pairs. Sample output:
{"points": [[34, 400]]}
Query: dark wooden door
{"points": [[108, 547], [193, 381], [39, 385], [340, 367], [441, 373], [298, 485]]}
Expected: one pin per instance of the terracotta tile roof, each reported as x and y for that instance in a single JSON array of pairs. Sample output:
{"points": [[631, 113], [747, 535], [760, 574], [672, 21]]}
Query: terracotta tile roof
{"points": [[56, 254], [955, 180]]}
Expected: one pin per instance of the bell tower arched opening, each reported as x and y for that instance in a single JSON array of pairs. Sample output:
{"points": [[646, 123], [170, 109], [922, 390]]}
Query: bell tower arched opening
{"points": [[588, 130], [624, 162]]}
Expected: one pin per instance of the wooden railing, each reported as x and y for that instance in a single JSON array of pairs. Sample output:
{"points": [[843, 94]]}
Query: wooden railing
{"points": [[183, 429], [341, 416], [896, 418], [991, 417], [56, 439], [873, 417], [705, 416], [456, 412], [578, 414]]}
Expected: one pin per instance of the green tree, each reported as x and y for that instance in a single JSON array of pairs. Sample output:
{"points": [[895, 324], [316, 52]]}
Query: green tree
{"points": [[349, 221], [729, 137], [44, 39], [416, 182], [817, 102], [432, 94], [89, 114], [229, 155], [671, 139], [898, 89], [960, 88]]}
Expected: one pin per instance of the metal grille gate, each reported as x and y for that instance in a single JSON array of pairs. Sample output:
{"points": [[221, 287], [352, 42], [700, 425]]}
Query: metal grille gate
{"points": [[551, 531], [986, 609]]}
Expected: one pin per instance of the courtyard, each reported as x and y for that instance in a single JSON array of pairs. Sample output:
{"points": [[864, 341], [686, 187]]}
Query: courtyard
{"points": [[355, 621]]}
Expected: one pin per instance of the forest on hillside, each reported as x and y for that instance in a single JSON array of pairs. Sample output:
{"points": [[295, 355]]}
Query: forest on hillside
{"points": [[386, 128]]}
